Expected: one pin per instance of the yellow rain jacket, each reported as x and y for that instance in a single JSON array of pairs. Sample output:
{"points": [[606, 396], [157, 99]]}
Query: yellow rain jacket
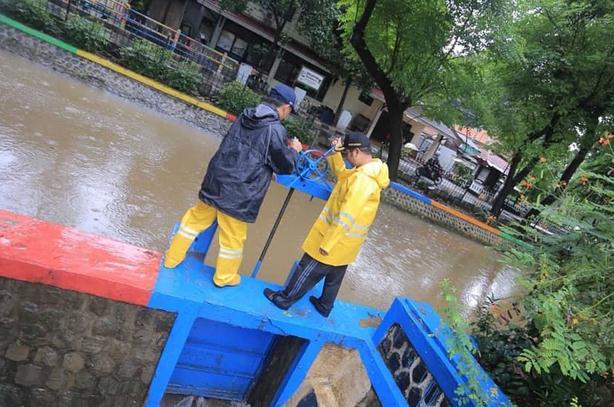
{"points": [[342, 227]]}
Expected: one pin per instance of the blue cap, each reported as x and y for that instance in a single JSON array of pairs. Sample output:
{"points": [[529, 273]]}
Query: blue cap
{"points": [[284, 94]]}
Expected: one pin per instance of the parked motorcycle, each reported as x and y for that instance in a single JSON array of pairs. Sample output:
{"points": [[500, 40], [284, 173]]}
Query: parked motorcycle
{"points": [[431, 170]]}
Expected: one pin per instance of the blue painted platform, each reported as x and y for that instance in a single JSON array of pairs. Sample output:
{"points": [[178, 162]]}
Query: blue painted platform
{"points": [[221, 337]]}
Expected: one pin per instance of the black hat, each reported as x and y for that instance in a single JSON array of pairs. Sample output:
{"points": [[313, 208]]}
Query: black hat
{"points": [[356, 140]]}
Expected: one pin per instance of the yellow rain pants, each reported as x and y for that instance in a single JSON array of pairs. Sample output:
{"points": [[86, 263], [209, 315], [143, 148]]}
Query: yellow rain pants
{"points": [[232, 235]]}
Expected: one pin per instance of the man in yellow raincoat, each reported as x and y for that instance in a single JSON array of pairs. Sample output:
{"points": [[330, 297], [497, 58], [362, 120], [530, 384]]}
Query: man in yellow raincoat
{"points": [[339, 232]]}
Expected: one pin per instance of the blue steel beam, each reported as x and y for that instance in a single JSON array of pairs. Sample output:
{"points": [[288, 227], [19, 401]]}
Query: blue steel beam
{"points": [[170, 355]]}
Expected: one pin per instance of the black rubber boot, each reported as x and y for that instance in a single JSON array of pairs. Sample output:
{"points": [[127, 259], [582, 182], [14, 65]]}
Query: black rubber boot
{"points": [[318, 306], [276, 298]]}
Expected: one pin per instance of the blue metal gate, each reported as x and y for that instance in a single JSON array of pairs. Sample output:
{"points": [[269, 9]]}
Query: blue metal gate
{"points": [[220, 361]]}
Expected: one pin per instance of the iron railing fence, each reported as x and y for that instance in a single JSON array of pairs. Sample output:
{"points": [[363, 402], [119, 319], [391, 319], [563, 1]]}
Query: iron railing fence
{"points": [[121, 26]]}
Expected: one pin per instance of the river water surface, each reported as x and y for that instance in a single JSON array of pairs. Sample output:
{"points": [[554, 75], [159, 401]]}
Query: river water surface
{"points": [[85, 158]]}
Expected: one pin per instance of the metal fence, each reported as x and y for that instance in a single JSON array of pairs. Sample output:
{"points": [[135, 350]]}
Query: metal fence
{"points": [[459, 191], [121, 26], [453, 188]]}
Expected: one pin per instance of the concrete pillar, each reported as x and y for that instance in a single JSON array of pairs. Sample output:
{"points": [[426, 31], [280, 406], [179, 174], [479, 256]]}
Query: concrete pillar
{"points": [[217, 32], [432, 148], [374, 121], [417, 129], [168, 12], [274, 68]]}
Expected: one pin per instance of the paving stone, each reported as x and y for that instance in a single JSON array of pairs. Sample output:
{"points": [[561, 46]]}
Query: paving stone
{"points": [[86, 380], [11, 395], [102, 365], [46, 356], [17, 352], [93, 344], [29, 331], [60, 379], [73, 362], [51, 318], [29, 375], [105, 327], [147, 374], [128, 368], [98, 305], [108, 386], [41, 396]]}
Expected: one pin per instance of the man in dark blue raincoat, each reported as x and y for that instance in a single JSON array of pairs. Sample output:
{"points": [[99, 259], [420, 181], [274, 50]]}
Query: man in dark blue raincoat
{"points": [[238, 176]]}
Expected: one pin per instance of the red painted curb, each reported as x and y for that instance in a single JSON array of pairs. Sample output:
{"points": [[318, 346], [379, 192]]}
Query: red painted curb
{"points": [[42, 252], [231, 117]]}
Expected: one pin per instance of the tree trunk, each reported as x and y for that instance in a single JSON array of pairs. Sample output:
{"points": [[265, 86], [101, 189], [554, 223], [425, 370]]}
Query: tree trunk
{"points": [[570, 170], [395, 103], [348, 83], [508, 186], [395, 115]]}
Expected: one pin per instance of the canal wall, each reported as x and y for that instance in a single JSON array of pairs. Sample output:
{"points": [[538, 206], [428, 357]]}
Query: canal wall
{"points": [[103, 74], [415, 203], [74, 329], [115, 79], [61, 347]]}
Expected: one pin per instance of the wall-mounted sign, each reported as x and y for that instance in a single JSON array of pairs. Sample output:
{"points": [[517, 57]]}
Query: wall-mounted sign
{"points": [[310, 78]]}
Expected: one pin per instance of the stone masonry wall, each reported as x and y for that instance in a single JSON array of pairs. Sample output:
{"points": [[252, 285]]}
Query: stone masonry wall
{"points": [[412, 205], [64, 348], [95, 75]]}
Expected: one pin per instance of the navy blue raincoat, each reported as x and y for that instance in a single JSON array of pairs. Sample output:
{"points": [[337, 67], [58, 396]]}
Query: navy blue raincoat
{"points": [[240, 172]]}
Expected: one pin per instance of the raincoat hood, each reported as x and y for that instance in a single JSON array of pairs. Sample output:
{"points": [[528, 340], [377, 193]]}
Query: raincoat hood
{"points": [[259, 116], [378, 171]]}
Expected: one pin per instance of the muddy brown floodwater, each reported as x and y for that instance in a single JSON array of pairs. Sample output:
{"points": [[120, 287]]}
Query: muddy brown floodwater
{"points": [[85, 158]]}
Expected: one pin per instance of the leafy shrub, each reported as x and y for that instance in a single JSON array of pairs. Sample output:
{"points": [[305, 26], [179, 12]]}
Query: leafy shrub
{"points": [[157, 63], [33, 13], [463, 173], [185, 76], [235, 97], [299, 128], [85, 34], [146, 58]]}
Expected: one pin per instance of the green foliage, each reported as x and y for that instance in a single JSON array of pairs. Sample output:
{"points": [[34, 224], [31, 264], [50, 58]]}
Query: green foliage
{"points": [[300, 128], [499, 351], [185, 76], [33, 13], [463, 173], [146, 58], [235, 97], [542, 82], [563, 353], [462, 350], [157, 63], [570, 278], [85, 34], [570, 287]]}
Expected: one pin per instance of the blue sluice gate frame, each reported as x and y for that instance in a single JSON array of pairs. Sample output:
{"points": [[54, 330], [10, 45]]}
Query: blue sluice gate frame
{"points": [[189, 292]]}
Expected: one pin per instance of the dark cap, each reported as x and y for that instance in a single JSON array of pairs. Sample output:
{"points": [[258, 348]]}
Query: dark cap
{"points": [[284, 94], [356, 140]]}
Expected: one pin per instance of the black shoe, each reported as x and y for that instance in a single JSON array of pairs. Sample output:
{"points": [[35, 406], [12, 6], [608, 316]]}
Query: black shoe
{"points": [[276, 298], [318, 306], [270, 294]]}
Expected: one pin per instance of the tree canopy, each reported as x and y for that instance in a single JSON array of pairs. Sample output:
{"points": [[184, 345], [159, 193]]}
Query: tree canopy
{"points": [[408, 48], [547, 82]]}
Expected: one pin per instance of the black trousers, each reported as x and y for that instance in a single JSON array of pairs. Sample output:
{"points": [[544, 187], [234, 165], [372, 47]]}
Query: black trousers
{"points": [[308, 273]]}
